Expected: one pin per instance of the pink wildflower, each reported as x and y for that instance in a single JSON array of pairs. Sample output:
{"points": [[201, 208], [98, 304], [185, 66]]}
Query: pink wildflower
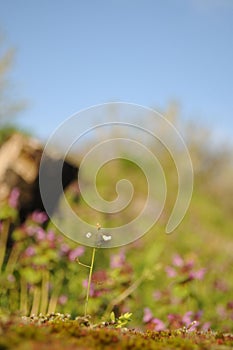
{"points": [[198, 275], [159, 325], [14, 198], [39, 217], [51, 236], [178, 261], [64, 248], [76, 253], [206, 326], [148, 316], [171, 272], [187, 318], [40, 234], [62, 300], [117, 260], [30, 251], [30, 230]]}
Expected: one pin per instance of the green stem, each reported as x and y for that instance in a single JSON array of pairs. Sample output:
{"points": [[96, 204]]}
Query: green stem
{"points": [[12, 260], [23, 296], [57, 285], [3, 240], [89, 280], [44, 292], [36, 301], [53, 302]]}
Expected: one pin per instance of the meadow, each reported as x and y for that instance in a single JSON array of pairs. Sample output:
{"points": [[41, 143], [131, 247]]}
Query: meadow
{"points": [[171, 291]]}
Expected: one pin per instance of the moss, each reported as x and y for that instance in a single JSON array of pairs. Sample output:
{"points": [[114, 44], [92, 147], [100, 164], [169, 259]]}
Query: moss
{"points": [[69, 334]]}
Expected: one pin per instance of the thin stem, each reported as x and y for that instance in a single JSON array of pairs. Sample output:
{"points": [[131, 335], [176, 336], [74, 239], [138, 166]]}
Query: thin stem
{"points": [[23, 296], [53, 303], [36, 301], [12, 260], [58, 281], [13, 299], [3, 240], [80, 263], [44, 291], [89, 280]]}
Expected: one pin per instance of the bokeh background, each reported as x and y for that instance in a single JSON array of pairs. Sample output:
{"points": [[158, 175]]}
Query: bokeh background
{"points": [[59, 57]]}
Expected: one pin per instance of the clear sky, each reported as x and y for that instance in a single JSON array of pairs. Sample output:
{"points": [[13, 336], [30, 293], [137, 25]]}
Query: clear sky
{"points": [[73, 54]]}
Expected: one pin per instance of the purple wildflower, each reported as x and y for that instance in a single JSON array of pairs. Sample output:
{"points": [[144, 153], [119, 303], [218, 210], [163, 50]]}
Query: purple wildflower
{"points": [[117, 260], [64, 248], [62, 300], [189, 264], [40, 234], [159, 325], [178, 261], [206, 326], [51, 236], [171, 272], [198, 275], [76, 253], [187, 318], [14, 198], [30, 251], [148, 316], [39, 217], [193, 326], [30, 230], [155, 323]]}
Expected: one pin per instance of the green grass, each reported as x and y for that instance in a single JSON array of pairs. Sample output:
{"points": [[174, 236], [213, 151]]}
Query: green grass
{"points": [[204, 238]]}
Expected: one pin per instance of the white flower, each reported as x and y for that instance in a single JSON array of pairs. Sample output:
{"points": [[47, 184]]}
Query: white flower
{"points": [[89, 234], [107, 238]]}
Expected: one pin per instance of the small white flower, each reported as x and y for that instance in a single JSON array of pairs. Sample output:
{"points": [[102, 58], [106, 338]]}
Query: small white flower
{"points": [[89, 234], [107, 238]]}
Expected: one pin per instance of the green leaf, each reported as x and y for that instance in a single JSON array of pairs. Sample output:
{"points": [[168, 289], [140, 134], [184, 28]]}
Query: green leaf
{"points": [[112, 317], [30, 275]]}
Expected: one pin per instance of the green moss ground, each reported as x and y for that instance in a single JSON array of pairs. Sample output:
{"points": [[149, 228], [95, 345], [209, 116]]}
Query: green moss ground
{"points": [[71, 335]]}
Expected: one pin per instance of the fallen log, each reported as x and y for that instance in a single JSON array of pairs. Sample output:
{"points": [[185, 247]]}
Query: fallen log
{"points": [[20, 158]]}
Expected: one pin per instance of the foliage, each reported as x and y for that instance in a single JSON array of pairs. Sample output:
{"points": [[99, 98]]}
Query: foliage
{"points": [[171, 282], [122, 321]]}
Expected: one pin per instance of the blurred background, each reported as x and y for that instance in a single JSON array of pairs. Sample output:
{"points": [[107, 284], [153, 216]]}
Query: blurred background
{"points": [[59, 57]]}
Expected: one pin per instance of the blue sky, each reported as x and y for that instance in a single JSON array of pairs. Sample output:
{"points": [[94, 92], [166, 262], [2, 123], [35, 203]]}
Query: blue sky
{"points": [[73, 54]]}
